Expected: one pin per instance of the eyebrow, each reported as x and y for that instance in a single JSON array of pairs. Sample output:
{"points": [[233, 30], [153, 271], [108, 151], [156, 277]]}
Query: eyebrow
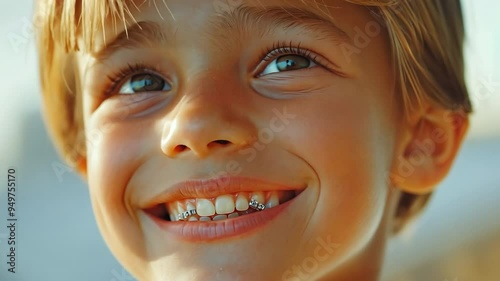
{"points": [[140, 34], [264, 20]]}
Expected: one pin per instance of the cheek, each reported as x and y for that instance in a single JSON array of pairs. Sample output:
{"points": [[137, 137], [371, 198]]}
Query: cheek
{"points": [[114, 153], [346, 140]]}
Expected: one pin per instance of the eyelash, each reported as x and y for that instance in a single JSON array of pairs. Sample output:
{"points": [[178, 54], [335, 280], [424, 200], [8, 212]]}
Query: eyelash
{"points": [[270, 53], [284, 48], [117, 78]]}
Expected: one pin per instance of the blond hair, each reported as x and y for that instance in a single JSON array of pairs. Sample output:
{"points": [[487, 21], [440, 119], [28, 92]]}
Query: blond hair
{"points": [[426, 42]]}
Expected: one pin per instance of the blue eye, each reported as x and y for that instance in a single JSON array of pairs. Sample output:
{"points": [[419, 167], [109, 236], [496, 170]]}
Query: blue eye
{"points": [[144, 82], [288, 63]]}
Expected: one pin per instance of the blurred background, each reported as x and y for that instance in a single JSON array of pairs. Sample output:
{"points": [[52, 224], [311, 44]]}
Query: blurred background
{"points": [[456, 239]]}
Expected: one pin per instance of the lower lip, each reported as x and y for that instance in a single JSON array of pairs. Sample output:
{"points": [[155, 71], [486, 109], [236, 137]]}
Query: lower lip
{"points": [[224, 229]]}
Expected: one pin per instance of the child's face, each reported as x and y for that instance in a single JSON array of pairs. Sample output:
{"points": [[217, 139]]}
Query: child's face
{"points": [[319, 116]]}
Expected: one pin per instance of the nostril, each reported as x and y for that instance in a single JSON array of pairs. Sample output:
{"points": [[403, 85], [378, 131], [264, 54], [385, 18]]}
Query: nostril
{"points": [[216, 143], [223, 142], [180, 148]]}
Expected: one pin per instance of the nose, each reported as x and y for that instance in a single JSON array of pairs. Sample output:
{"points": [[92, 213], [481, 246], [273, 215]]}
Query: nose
{"points": [[205, 124]]}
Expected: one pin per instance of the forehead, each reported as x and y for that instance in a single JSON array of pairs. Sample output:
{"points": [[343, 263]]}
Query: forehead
{"points": [[227, 20]]}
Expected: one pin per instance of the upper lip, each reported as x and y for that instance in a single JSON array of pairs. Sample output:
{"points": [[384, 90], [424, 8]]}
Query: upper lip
{"points": [[210, 188]]}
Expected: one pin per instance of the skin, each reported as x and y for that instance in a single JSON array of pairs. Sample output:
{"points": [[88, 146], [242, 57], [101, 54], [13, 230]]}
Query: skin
{"points": [[346, 136]]}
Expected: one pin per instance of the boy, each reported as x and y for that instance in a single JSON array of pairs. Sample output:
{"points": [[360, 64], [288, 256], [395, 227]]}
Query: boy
{"points": [[254, 140]]}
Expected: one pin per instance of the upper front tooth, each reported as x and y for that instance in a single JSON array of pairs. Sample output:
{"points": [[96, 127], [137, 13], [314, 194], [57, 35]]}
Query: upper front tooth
{"points": [[204, 207], [224, 204], [242, 202]]}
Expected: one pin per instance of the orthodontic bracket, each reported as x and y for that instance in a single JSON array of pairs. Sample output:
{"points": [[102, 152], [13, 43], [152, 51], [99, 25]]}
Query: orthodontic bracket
{"points": [[184, 215], [256, 205]]}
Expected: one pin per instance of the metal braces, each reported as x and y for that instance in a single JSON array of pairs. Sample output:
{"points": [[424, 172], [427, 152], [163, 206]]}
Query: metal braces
{"points": [[184, 215], [256, 205]]}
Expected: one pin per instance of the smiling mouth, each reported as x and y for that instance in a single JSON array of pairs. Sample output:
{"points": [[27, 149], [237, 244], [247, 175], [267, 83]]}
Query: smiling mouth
{"points": [[221, 208]]}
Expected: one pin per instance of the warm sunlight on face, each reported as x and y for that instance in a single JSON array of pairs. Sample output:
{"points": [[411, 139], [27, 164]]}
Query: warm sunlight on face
{"points": [[202, 110]]}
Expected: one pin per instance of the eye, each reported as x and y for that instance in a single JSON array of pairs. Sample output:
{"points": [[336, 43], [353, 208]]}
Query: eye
{"points": [[288, 63], [144, 82]]}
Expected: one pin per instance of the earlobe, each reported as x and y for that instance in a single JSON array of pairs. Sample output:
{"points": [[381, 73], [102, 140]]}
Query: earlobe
{"points": [[427, 148], [81, 166]]}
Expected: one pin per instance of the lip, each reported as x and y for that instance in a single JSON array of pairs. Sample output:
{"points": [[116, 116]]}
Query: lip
{"points": [[224, 229], [211, 188]]}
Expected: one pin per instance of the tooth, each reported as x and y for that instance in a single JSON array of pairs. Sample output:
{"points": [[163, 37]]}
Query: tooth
{"points": [[192, 219], [180, 208], [233, 215], [219, 217], [173, 217], [190, 206], [205, 219], [224, 204], [172, 211], [273, 200], [242, 202], [204, 207], [258, 196]]}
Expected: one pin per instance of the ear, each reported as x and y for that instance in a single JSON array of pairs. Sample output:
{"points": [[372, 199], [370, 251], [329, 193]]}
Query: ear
{"points": [[426, 148]]}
